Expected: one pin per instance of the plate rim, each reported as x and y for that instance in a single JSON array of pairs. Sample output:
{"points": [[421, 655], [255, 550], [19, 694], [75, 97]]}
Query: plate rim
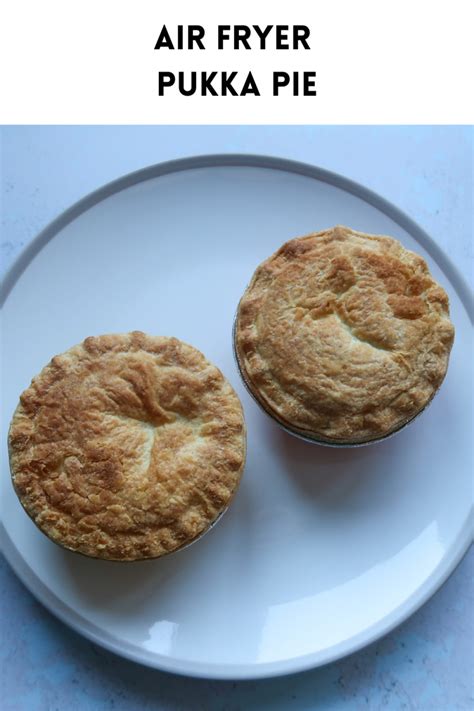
{"points": [[397, 616], [246, 160], [235, 672]]}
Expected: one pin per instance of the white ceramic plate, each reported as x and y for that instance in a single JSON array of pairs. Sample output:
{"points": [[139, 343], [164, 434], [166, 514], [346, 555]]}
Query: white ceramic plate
{"points": [[323, 550]]}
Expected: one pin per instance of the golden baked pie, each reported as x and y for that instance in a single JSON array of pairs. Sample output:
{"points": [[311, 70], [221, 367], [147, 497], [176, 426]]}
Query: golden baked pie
{"points": [[343, 337], [127, 446]]}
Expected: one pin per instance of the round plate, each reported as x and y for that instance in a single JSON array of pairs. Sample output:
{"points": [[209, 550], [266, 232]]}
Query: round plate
{"points": [[323, 550]]}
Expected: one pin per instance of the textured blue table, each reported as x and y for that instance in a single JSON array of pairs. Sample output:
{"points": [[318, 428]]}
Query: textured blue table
{"points": [[426, 664]]}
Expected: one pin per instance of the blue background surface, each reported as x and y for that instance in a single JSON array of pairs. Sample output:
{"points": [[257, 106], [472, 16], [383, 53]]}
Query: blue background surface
{"points": [[426, 664]]}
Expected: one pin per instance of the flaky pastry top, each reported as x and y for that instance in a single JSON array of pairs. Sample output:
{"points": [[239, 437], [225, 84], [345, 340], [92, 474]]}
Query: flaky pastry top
{"points": [[343, 336], [127, 446]]}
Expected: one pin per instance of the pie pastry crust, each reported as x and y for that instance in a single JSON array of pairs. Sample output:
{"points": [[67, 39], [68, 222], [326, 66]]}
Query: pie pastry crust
{"points": [[342, 336], [127, 446]]}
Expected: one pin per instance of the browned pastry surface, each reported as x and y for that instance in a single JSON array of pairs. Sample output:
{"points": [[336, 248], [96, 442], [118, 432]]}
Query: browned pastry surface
{"points": [[127, 446], [343, 336]]}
